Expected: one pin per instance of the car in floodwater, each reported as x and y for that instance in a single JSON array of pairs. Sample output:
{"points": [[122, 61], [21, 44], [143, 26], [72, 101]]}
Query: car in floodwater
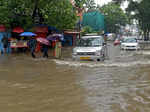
{"points": [[130, 43], [90, 48]]}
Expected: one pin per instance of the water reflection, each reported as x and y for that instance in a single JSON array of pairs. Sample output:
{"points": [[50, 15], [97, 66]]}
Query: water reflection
{"points": [[39, 85], [121, 84], [117, 90]]}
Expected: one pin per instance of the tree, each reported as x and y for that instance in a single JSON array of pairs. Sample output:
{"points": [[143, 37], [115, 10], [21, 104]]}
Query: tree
{"points": [[141, 12], [79, 3], [114, 17], [58, 13], [118, 1], [90, 5]]}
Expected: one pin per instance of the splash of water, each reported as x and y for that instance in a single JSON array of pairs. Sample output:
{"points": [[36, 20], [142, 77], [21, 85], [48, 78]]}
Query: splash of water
{"points": [[102, 64]]}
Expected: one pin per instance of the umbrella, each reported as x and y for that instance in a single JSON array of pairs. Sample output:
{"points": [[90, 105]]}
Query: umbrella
{"points": [[51, 38], [2, 28], [43, 41], [18, 30], [55, 37], [27, 34]]}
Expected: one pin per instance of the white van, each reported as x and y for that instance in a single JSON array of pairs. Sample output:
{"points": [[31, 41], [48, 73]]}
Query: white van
{"points": [[130, 43], [90, 48]]}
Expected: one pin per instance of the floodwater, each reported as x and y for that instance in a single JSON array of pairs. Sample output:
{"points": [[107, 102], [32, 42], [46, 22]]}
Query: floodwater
{"points": [[119, 84]]}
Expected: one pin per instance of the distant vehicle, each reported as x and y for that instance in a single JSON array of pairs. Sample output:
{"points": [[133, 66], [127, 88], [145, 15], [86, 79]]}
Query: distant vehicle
{"points": [[117, 41], [130, 43], [90, 48]]}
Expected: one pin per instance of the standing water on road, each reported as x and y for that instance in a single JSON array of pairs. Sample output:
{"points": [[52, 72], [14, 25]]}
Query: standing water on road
{"points": [[120, 84]]}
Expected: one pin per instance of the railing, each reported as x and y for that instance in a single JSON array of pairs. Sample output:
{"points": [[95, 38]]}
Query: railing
{"points": [[144, 45]]}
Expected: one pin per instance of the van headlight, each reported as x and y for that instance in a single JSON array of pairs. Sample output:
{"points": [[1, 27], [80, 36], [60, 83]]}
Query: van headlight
{"points": [[98, 52], [74, 52]]}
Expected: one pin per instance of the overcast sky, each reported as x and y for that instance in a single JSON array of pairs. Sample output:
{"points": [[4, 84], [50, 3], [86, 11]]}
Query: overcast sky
{"points": [[102, 2]]}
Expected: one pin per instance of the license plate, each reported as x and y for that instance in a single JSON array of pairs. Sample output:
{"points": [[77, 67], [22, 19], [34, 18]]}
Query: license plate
{"points": [[84, 58]]}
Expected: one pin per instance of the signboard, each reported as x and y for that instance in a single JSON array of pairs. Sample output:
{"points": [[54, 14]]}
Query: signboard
{"points": [[19, 44]]}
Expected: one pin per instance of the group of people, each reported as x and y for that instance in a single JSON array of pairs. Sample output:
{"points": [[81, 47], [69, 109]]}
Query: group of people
{"points": [[32, 44], [7, 45]]}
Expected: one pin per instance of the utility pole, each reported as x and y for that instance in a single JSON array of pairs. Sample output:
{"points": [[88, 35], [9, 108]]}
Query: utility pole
{"points": [[37, 16]]}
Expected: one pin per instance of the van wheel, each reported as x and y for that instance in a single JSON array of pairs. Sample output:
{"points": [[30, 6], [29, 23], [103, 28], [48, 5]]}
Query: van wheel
{"points": [[101, 59], [98, 59]]}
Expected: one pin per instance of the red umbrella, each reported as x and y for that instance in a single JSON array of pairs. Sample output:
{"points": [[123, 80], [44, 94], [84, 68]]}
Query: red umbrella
{"points": [[43, 40], [2, 28], [18, 30]]}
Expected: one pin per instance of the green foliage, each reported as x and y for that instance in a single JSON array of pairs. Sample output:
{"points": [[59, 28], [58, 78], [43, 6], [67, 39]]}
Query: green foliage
{"points": [[58, 13], [79, 3], [141, 12], [114, 17], [90, 5], [86, 29], [118, 1]]}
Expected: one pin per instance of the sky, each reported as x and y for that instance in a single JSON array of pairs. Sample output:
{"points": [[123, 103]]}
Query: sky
{"points": [[102, 2]]}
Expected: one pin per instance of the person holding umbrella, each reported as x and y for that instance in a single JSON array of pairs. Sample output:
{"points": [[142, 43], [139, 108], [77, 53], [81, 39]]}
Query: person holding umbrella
{"points": [[32, 45], [45, 50], [45, 44]]}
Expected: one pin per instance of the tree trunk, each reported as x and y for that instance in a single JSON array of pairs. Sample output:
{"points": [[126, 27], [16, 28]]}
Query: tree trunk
{"points": [[35, 9]]}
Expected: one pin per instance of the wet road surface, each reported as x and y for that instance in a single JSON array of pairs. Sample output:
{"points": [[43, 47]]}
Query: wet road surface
{"points": [[120, 84]]}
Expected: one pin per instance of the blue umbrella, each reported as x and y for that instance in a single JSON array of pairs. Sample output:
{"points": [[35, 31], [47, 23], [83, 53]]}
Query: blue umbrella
{"points": [[27, 34]]}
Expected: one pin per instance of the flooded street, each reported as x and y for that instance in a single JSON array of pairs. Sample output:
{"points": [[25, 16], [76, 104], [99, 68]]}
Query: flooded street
{"points": [[119, 84]]}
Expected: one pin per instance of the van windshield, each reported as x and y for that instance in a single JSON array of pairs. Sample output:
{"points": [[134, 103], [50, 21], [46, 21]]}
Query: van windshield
{"points": [[130, 40], [89, 42]]}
